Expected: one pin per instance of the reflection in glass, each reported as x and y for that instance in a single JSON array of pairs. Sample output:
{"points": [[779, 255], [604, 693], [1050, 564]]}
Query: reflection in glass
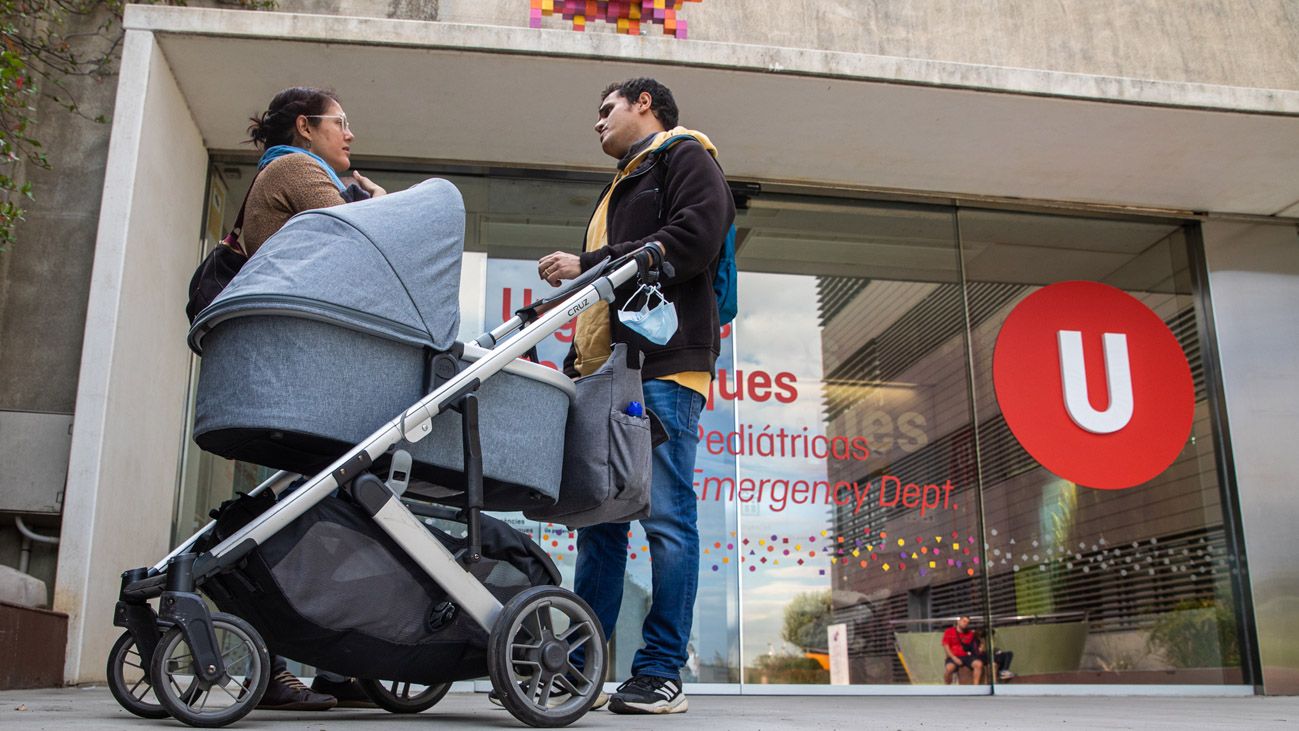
{"points": [[870, 529], [1088, 585]]}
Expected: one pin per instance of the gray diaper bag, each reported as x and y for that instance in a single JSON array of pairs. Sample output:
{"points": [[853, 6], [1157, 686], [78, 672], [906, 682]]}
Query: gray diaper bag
{"points": [[607, 449]]}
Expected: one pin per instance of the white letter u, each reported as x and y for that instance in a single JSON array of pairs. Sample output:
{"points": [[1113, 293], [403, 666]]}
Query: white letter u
{"points": [[1118, 379]]}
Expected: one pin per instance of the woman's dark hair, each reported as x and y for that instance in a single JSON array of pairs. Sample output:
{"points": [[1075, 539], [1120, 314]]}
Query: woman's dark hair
{"points": [[662, 105], [275, 126]]}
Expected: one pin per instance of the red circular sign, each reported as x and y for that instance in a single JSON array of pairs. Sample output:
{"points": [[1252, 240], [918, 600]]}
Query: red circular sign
{"points": [[1093, 384]]}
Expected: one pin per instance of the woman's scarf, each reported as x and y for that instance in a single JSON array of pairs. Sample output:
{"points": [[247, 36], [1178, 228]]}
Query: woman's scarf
{"points": [[278, 151]]}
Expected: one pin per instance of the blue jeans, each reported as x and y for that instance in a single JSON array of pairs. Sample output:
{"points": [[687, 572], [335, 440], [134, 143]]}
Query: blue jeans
{"points": [[673, 534]]}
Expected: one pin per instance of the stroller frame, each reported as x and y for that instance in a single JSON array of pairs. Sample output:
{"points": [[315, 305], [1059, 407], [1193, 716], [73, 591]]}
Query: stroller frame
{"points": [[176, 578]]}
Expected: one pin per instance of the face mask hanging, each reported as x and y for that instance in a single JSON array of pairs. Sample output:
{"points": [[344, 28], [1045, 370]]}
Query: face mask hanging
{"points": [[656, 324]]}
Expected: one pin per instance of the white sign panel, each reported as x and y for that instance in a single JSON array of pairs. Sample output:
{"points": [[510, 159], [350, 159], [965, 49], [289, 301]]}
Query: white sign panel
{"points": [[838, 636]]}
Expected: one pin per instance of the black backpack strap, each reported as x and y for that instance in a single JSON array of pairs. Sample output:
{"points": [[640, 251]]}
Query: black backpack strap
{"points": [[661, 172], [661, 177]]}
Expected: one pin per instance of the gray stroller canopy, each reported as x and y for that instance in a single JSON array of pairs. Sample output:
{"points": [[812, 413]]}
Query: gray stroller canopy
{"points": [[388, 266]]}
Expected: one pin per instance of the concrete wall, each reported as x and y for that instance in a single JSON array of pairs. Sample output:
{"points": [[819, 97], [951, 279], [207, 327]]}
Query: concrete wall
{"points": [[405, 9], [134, 362], [1233, 42], [1253, 43], [44, 279], [1254, 281]]}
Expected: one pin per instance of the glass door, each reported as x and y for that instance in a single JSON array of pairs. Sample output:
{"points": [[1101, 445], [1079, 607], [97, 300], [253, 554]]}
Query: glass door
{"points": [[1109, 564], [856, 489]]}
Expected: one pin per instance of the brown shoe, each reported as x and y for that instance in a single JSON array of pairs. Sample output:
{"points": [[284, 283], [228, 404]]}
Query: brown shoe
{"points": [[286, 693], [348, 692]]}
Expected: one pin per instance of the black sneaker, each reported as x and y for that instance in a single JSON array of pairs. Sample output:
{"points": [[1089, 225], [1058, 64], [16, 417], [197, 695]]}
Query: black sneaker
{"points": [[647, 694], [348, 692], [286, 693]]}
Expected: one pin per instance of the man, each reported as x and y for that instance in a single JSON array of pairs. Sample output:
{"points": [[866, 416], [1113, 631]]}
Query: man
{"points": [[667, 189], [959, 644]]}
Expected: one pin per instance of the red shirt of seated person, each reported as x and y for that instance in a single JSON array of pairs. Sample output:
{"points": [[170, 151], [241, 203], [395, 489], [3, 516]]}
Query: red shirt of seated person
{"points": [[959, 644]]}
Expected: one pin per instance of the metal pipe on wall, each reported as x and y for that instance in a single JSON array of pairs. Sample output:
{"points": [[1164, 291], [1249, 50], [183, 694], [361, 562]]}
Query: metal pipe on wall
{"points": [[29, 537]]}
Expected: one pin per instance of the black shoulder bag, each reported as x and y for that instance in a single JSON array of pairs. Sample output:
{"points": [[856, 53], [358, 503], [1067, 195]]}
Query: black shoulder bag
{"points": [[228, 257], [218, 267]]}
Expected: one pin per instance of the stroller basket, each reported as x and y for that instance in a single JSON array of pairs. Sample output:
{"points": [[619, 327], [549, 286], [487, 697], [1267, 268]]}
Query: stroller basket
{"points": [[328, 333], [333, 590]]}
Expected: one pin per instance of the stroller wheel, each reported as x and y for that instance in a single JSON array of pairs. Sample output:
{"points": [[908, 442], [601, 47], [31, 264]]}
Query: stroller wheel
{"points": [[531, 656], [206, 705], [398, 696], [128, 679]]}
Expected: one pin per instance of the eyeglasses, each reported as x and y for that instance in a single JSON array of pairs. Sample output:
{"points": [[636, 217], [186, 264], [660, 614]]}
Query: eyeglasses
{"points": [[342, 119]]}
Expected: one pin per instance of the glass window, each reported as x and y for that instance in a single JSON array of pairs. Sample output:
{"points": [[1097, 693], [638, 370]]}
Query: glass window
{"points": [[1095, 585], [868, 524]]}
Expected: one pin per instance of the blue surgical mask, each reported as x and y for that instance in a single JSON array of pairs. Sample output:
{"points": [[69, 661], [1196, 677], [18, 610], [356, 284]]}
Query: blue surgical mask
{"points": [[656, 325]]}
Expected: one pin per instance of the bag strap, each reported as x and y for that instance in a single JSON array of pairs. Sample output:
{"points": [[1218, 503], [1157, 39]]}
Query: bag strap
{"points": [[633, 354], [232, 239], [661, 152]]}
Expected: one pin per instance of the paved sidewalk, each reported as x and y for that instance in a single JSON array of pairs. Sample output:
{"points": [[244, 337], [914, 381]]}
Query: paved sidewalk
{"points": [[81, 709]]}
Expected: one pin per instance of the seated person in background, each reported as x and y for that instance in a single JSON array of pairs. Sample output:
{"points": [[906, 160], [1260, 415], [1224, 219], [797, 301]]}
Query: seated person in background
{"points": [[1001, 659], [959, 644]]}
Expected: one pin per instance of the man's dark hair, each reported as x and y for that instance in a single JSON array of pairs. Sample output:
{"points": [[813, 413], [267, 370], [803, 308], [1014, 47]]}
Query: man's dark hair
{"points": [[663, 105]]}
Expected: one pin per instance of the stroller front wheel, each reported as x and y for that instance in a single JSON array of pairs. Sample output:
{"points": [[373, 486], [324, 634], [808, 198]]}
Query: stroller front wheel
{"points": [[534, 660], [128, 679], [208, 705]]}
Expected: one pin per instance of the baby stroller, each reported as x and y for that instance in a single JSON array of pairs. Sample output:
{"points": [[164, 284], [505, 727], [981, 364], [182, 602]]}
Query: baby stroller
{"points": [[333, 356]]}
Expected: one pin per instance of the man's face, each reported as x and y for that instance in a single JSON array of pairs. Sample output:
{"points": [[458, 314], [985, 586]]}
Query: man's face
{"points": [[963, 623], [620, 123]]}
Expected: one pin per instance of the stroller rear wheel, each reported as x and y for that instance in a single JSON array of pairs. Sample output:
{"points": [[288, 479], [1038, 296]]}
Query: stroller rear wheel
{"points": [[128, 679], [398, 696], [531, 656], [206, 705]]}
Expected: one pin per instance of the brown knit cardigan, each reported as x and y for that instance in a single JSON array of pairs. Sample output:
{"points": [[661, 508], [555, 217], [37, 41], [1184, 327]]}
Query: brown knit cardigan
{"points": [[288, 186]]}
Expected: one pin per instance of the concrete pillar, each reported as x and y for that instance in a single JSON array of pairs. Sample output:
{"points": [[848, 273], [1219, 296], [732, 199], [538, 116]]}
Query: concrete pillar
{"points": [[134, 362], [1254, 285]]}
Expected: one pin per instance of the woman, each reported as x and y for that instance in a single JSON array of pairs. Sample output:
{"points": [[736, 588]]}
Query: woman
{"points": [[306, 143]]}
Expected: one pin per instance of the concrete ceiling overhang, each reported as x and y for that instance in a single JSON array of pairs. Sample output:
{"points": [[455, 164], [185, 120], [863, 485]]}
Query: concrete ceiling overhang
{"points": [[527, 98]]}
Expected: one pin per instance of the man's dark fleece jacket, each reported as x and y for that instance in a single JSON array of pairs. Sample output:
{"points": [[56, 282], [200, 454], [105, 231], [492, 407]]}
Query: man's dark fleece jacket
{"points": [[680, 198]]}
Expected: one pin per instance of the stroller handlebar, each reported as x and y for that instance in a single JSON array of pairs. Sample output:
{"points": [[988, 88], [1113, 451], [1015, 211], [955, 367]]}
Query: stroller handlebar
{"points": [[534, 309], [648, 261]]}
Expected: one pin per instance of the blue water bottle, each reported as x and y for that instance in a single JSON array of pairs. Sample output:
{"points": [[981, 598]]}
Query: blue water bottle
{"points": [[635, 408]]}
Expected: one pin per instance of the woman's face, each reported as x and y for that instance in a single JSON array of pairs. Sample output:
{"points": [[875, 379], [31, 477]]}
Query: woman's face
{"points": [[329, 136]]}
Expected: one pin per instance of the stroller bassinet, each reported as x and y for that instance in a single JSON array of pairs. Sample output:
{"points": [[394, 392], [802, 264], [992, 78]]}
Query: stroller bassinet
{"points": [[329, 331]]}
